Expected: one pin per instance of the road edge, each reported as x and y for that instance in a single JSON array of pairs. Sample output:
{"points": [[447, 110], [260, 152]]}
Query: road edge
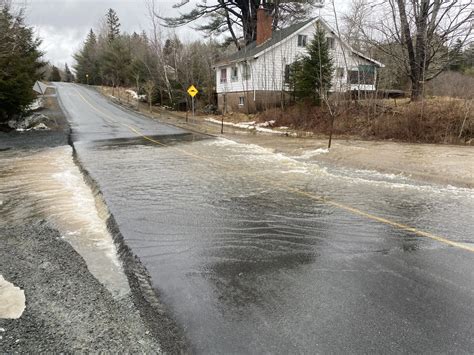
{"points": [[145, 298]]}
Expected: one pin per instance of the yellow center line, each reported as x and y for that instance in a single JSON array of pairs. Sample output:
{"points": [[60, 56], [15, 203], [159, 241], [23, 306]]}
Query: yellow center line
{"points": [[298, 191]]}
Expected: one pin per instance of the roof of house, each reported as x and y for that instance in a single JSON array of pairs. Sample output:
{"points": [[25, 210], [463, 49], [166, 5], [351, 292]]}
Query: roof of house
{"points": [[251, 50]]}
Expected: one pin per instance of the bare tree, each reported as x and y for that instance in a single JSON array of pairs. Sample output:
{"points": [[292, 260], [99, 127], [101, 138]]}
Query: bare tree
{"points": [[353, 21], [419, 35], [157, 46], [149, 88]]}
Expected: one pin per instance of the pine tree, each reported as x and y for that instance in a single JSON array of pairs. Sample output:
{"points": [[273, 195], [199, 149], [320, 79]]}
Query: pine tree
{"points": [[456, 56], [87, 61], [117, 60], [313, 72], [55, 74], [20, 64], [113, 25], [68, 77]]}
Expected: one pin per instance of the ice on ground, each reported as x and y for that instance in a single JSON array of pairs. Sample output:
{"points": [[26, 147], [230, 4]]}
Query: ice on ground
{"points": [[41, 127], [266, 123], [38, 103], [12, 300], [253, 126], [35, 121], [134, 95]]}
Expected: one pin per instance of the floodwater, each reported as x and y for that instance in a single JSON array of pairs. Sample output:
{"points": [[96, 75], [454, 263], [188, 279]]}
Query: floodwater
{"points": [[47, 185], [253, 251], [250, 255]]}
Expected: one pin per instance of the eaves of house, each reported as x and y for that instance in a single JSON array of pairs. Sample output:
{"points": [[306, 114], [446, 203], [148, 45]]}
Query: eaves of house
{"points": [[252, 51]]}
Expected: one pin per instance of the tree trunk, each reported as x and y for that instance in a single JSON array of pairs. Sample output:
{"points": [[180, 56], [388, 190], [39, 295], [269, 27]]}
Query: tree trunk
{"points": [[416, 90]]}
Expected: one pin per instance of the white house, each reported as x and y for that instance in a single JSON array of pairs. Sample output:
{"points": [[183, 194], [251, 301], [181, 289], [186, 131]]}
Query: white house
{"points": [[257, 76]]}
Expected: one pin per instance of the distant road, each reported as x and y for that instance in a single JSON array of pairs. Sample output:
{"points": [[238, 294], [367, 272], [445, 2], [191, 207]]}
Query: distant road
{"points": [[94, 118]]}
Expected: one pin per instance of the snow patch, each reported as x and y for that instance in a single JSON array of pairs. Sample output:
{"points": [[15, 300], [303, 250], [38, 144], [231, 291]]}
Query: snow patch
{"points": [[134, 95], [253, 126], [12, 300], [40, 127], [36, 121], [38, 103]]}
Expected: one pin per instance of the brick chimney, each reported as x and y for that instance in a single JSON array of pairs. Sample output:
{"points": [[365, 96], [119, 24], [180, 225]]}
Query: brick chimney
{"points": [[264, 25]]}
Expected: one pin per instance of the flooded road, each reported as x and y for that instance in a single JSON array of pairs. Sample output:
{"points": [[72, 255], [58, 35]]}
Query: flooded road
{"points": [[258, 252]]}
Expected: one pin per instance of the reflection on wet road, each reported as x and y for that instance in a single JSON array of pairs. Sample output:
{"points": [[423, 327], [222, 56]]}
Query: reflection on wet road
{"points": [[249, 265]]}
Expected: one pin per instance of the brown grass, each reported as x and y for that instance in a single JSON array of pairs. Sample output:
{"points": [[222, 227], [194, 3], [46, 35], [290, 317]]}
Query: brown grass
{"points": [[435, 120]]}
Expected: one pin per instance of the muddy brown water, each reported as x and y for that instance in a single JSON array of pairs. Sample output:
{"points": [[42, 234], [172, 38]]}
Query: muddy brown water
{"points": [[46, 184]]}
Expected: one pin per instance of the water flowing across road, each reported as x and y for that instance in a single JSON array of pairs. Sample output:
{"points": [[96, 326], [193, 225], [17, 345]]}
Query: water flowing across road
{"points": [[258, 252]]}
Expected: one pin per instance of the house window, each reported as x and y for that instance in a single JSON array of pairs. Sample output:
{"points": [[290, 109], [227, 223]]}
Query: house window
{"points": [[339, 73], [234, 73], [331, 42], [361, 77], [241, 100], [224, 76], [353, 77], [287, 73], [364, 76], [302, 40], [245, 71]]}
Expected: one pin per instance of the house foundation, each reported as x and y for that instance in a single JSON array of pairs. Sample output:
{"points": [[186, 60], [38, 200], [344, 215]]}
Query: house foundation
{"points": [[251, 101]]}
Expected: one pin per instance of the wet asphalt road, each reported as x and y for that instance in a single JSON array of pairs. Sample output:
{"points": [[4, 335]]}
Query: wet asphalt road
{"points": [[249, 260]]}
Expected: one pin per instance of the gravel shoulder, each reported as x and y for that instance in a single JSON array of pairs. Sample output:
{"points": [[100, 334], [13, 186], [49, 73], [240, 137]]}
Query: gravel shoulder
{"points": [[67, 309]]}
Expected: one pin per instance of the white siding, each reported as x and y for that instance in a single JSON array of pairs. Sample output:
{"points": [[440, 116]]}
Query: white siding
{"points": [[268, 69]]}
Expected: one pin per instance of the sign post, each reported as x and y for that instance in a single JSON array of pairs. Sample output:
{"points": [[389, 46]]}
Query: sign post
{"points": [[192, 91]]}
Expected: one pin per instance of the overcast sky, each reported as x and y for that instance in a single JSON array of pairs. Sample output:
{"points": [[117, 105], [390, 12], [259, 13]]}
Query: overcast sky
{"points": [[63, 24]]}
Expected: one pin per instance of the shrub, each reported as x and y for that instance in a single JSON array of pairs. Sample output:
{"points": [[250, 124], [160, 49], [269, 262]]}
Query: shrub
{"points": [[435, 120]]}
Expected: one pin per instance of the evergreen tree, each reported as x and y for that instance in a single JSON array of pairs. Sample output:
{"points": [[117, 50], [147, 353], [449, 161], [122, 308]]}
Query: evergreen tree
{"points": [[20, 64], [117, 61], [87, 61], [468, 60], [55, 74], [456, 56], [313, 72], [113, 25], [68, 77]]}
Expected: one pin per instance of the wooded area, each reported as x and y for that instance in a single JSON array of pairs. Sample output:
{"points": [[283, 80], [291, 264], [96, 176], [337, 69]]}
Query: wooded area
{"points": [[20, 62]]}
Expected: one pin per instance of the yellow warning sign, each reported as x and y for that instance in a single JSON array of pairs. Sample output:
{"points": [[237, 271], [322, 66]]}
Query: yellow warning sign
{"points": [[192, 91]]}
